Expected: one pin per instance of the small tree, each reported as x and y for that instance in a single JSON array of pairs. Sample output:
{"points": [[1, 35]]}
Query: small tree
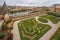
{"points": [[4, 27], [44, 9]]}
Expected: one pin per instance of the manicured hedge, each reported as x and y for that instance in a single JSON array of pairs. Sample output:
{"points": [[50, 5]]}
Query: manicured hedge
{"points": [[39, 35], [29, 24], [53, 19], [57, 14], [41, 19]]}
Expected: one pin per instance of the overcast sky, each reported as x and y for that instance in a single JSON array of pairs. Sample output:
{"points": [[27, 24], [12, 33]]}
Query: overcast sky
{"points": [[30, 2]]}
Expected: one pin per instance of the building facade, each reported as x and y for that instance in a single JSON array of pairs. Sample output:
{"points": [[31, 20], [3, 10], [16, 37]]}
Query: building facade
{"points": [[55, 8]]}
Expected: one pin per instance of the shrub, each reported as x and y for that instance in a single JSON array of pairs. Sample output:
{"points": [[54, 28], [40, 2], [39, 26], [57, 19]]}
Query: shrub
{"points": [[42, 20], [53, 19], [54, 14], [4, 27], [8, 21], [2, 35]]}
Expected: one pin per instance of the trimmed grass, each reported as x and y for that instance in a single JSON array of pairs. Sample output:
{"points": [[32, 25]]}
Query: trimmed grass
{"points": [[31, 27], [41, 19], [57, 35], [53, 19]]}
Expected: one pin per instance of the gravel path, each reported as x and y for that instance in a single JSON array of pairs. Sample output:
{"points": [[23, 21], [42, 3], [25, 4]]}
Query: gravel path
{"points": [[47, 36], [16, 34], [51, 32], [15, 31]]}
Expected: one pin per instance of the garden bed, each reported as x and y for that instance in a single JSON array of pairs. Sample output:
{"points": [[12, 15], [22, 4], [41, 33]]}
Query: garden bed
{"points": [[30, 29], [53, 19]]}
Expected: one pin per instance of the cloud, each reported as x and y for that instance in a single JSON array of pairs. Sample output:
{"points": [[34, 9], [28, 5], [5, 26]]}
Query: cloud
{"points": [[1, 2], [31, 2]]}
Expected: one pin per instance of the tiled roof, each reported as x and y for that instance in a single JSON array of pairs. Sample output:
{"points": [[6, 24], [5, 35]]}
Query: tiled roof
{"points": [[56, 5]]}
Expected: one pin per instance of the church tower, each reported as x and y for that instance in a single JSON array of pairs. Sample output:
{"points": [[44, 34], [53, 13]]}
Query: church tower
{"points": [[5, 11]]}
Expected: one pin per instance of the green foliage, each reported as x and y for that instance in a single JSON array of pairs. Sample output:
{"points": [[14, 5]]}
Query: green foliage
{"points": [[57, 35], [2, 35], [53, 19], [43, 31], [4, 27], [41, 19], [54, 14], [25, 38], [8, 21], [31, 27]]}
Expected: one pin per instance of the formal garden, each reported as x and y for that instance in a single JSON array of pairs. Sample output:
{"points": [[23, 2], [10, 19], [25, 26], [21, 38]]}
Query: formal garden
{"points": [[30, 29], [53, 19]]}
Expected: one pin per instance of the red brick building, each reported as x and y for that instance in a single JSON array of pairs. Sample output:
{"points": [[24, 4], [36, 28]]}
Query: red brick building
{"points": [[55, 8]]}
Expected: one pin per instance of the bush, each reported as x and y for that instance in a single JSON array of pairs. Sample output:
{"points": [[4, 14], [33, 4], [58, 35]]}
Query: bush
{"points": [[8, 21], [49, 13], [42, 20], [2, 35], [54, 14], [4, 27], [53, 19]]}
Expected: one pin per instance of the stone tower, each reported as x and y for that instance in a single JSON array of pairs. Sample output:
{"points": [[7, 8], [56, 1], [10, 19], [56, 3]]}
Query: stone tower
{"points": [[5, 11]]}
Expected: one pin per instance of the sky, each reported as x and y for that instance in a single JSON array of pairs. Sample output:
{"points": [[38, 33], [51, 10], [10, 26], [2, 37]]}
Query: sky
{"points": [[30, 2]]}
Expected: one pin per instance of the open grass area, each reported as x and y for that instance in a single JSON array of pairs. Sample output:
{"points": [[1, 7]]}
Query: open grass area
{"points": [[41, 19], [30, 29], [56, 35], [53, 19]]}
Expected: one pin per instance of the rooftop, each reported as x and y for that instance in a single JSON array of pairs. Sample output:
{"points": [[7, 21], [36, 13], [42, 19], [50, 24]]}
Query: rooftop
{"points": [[56, 5]]}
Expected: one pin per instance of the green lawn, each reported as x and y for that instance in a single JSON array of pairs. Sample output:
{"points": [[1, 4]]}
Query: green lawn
{"points": [[41, 19], [57, 35], [31, 28], [53, 19]]}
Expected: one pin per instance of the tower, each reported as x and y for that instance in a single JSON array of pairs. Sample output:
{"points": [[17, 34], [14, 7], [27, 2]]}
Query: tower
{"points": [[5, 11]]}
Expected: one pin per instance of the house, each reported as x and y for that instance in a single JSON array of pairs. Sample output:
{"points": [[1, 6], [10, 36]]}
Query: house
{"points": [[55, 8]]}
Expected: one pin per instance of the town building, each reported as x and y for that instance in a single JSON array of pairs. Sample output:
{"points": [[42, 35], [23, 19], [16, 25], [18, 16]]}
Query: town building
{"points": [[55, 8]]}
